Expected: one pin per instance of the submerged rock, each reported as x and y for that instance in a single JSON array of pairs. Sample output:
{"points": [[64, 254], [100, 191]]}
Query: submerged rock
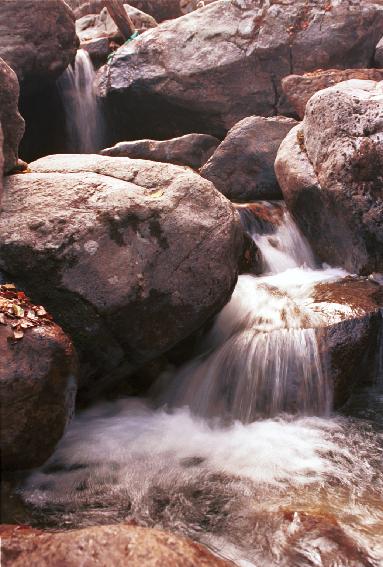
{"points": [[37, 39], [116, 545], [10, 119], [242, 167], [192, 149], [37, 382], [330, 170], [209, 69], [130, 256], [300, 88]]}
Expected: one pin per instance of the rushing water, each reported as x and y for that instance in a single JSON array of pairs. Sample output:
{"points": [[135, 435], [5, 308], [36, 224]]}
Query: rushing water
{"points": [[238, 448], [82, 112]]}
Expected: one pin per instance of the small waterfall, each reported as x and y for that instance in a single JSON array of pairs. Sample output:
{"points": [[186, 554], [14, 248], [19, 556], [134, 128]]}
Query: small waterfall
{"points": [[277, 236], [261, 357], [83, 117]]}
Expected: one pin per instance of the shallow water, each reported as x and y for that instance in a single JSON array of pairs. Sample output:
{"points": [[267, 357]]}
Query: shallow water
{"points": [[213, 453]]}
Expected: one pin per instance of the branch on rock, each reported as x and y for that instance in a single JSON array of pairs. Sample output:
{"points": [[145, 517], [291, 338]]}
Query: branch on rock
{"points": [[120, 17]]}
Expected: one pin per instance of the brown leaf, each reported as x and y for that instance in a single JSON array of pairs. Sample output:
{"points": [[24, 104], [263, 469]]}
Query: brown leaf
{"points": [[41, 311]]}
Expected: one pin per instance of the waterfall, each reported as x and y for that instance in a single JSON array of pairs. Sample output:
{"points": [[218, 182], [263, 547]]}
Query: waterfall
{"points": [[261, 357], [82, 112]]}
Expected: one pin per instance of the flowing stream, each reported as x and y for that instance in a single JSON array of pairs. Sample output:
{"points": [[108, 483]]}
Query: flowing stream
{"points": [[239, 448], [84, 121]]}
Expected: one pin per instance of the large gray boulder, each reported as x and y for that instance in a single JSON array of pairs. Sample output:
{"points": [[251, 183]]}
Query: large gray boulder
{"points": [[209, 69], [10, 119], [37, 381], [242, 167], [130, 256], [37, 39], [192, 149], [330, 170]]}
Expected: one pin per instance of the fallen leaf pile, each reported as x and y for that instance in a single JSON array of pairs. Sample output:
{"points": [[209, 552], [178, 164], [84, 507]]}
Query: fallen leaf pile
{"points": [[17, 311]]}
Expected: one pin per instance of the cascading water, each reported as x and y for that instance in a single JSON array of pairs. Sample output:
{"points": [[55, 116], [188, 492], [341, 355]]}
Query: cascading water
{"points": [[261, 357], [291, 490], [82, 112]]}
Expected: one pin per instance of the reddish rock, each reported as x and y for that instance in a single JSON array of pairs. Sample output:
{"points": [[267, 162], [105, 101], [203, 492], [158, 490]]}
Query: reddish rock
{"points": [[37, 39], [37, 382], [10, 119], [192, 149], [349, 339], [119, 545], [330, 170], [300, 88], [242, 167]]}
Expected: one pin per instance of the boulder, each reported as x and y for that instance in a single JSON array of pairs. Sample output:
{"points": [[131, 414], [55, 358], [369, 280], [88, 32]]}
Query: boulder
{"points": [[37, 39], [242, 167], [95, 26], [379, 53], [351, 311], [300, 88], [188, 6], [126, 254], [159, 9], [10, 119], [37, 381], [99, 35], [192, 149], [330, 172], [98, 546], [209, 69]]}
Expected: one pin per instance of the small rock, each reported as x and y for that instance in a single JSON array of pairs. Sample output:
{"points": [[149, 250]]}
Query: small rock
{"points": [[192, 149]]}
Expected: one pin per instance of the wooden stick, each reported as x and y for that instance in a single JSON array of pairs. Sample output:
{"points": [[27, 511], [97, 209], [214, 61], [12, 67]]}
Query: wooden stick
{"points": [[120, 17]]}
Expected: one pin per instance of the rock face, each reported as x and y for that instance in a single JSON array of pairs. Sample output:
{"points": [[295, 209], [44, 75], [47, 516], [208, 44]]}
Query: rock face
{"points": [[192, 149], [1, 163], [99, 546], [349, 341], [209, 69], [37, 39], [37, 382], [242, 167], [10, 119], [126, 254], [300, 88], [188, 6], [379, 53], [330, 171]]}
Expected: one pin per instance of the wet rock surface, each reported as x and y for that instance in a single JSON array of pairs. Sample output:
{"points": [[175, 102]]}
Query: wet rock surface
{"points": [[209, 69], [330, 172], [352, 310], [37, 382], [192, 149], [126, 254], [300, 88], [37, 39], [11, 121], [97, 546], [242, 167]]}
